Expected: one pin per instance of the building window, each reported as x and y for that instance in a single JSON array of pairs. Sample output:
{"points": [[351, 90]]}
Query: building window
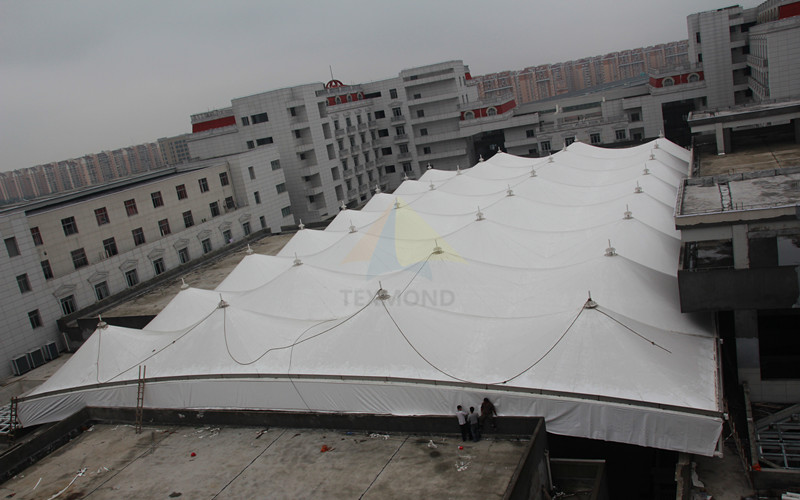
{"points": [[620, 134], [35, 318], [668, 82], [569, 140], [246, 228], [383, 132], [635, 117], [403, 148], [694, 77], [69, 226], [594, 138], [110, 247], [407, 167], [700, 57], [138, 236], [423, 132], [214, 207], [245, 121], [227, 236], [47, 271], [206, 245], [392, 93], [275, 164], [229, 203], [183, 255], [386, 151], [389, 169], [12, 247], [188, 220], [397, 112], [130, 207], [263, 141], [79, 259], [159, 267], [401, 130], [380, 114], [544, 146], [257, 196], [157, 200], [181, 190], [223, 178], [101, 215], [286, 211], [163, 227], [251, 172], [469, 115], [426, 150], [23, 283], [37, 236], [420, 113], [259, 118], [530, 133], [132, 277], [251, 145], [101, 290], [203, 185], [68, 305]]}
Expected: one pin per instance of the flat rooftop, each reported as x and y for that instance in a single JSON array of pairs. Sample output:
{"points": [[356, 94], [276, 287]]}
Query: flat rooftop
{"points": [[214, 462], [766, 177]]}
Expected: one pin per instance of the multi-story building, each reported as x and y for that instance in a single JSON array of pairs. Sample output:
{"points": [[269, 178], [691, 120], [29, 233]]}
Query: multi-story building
{"points": [[71, 253], [338, 143], [174, 150]]}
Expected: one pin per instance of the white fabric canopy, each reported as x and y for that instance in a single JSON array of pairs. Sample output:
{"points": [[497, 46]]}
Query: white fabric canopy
{"points": [[418, 302]]}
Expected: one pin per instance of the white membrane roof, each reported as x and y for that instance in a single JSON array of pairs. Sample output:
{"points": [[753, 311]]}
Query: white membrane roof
{"points": [[417, 303]]}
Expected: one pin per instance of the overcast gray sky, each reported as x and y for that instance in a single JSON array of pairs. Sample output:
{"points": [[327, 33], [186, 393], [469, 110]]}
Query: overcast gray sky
{"points": [[83, 76]]}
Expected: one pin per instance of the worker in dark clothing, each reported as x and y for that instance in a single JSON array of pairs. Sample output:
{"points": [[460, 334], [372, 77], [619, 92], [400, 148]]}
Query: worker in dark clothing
{"points": [[488, 412]]}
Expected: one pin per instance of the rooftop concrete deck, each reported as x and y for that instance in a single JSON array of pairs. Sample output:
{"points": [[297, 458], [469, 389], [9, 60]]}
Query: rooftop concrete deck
{"points": [[268, 463], [758, 158], [206, 277]]}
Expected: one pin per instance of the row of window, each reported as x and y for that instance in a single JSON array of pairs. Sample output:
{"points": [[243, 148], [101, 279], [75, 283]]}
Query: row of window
{"points": [[70, 226], [101, 290]]}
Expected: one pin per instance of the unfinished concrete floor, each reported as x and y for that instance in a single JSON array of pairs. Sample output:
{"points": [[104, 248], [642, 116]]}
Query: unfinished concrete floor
{"points": [[267, 463]]}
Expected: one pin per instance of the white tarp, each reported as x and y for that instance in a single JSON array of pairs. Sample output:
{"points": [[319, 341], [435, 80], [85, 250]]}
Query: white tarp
{"points": [[417, 303]]}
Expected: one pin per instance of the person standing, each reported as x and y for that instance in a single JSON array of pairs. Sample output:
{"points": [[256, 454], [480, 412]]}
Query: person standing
{"points": [[462, 422], [474, 426], [488, 412]]}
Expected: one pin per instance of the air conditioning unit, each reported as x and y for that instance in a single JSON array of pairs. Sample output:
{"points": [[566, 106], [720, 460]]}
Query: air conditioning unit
{"points": [[36, 357], [50, 351], [20, 364]]}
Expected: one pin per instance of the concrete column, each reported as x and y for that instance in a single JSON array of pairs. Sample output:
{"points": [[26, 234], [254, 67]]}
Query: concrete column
{"points": [[796, 123], [747, 353], [720, 133], [741, 253]]}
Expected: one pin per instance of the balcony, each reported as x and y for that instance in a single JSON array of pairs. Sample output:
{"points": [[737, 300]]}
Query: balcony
{"points": [[348, 174], [339, 132], [343, 153], [352, 193], [370, 164], [403, 156], [398, 119], [400, 138], [365, 146], [362, 126], [315, 190], [359, 169], [355, 148], [363, 188], [351, 129], [758, 62], [373, 124]]}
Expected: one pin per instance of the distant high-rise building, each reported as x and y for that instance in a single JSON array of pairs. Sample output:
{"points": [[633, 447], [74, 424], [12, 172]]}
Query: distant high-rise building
{"points": [[89, 170], [548, 80]]}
